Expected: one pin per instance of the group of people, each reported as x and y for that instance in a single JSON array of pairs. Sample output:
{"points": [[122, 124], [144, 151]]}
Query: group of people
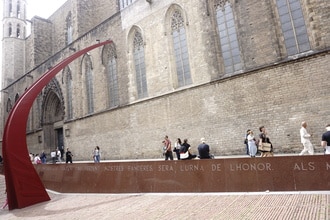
{"points": [[56, 156], [262, 145], [307, 144], [36, 159], [265, 147], [183, 150]]}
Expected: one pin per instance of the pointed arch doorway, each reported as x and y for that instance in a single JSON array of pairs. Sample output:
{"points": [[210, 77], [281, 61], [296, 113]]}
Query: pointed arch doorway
{"points": [[52, 118]]}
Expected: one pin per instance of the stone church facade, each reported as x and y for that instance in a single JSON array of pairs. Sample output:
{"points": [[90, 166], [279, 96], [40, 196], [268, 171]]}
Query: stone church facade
{"points": [[182, 68]]}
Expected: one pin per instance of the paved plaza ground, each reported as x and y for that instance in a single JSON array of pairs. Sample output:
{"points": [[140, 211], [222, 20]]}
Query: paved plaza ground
{"points": [[313, 205], [264, 205]]}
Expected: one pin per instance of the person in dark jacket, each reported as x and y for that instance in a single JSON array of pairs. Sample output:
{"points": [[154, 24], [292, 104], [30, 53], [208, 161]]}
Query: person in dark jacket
{"points": [[204, 150], [185, 150], [68, 155]]}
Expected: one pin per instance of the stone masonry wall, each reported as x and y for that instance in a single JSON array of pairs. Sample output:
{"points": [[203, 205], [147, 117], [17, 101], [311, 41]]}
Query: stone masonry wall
{"points": [[279, 97], [271, 90]]}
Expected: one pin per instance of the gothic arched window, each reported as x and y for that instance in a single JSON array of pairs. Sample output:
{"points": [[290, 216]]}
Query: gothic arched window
{"points": [[69, 88], [180, 48], [112, 76], [88, 68], [9, 105], [69, 29], [140, 67], [228, 37], [16, 97], [293, 26]]}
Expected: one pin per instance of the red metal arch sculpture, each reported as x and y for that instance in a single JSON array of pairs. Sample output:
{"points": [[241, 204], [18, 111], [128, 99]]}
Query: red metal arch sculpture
{"points": [[23, 185]]}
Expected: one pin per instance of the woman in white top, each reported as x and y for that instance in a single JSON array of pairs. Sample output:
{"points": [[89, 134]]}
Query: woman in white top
{"points": [[177, 146], [37, 159], [97, 154], [252, 144]]}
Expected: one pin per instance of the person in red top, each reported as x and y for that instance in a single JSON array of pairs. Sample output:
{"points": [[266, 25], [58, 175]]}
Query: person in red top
{"points": [[168, 150]]}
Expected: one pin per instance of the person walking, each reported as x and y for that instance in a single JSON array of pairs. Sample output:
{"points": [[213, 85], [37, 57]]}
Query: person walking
{"points": [[168, 149], [325, 143], [305, 140], [97, 154]]}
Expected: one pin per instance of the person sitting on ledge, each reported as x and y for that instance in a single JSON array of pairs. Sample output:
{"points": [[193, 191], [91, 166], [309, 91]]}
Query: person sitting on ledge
{"points": [[204, 150], [185, 153]]}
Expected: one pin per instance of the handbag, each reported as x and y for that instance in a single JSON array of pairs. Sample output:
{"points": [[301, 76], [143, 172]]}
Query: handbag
{"points": [[265, 147]]}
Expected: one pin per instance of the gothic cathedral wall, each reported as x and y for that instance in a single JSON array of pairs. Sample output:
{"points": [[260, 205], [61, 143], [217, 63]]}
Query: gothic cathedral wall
{"points": [[270, 88]]}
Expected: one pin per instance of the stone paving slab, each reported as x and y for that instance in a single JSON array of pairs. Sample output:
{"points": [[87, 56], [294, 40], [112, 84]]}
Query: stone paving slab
{"points": [[254, 206]]}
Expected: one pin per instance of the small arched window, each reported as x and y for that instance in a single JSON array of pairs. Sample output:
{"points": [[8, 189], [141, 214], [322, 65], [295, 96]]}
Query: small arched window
{"points": [[16, 97], [9, 105], [10, 30], [18, 31]]}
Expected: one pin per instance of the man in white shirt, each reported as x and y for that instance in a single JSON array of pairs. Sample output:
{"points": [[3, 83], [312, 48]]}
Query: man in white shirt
{"points": [[305, 140]]}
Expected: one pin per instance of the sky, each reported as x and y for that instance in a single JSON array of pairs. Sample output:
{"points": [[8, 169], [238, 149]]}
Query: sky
{"points": [[42, 8]]}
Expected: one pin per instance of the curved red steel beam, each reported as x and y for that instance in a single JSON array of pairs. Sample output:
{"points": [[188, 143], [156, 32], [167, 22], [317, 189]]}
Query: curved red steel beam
{"points": [[23, 185]]}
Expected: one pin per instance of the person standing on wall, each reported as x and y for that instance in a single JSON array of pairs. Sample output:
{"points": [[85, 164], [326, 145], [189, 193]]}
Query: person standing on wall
{"points": [[325, 143], [68, 156], [305, 140], [168, 149]]}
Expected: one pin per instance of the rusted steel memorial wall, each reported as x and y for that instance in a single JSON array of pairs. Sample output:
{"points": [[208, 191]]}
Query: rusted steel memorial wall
{"points": [[287, 173]]}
